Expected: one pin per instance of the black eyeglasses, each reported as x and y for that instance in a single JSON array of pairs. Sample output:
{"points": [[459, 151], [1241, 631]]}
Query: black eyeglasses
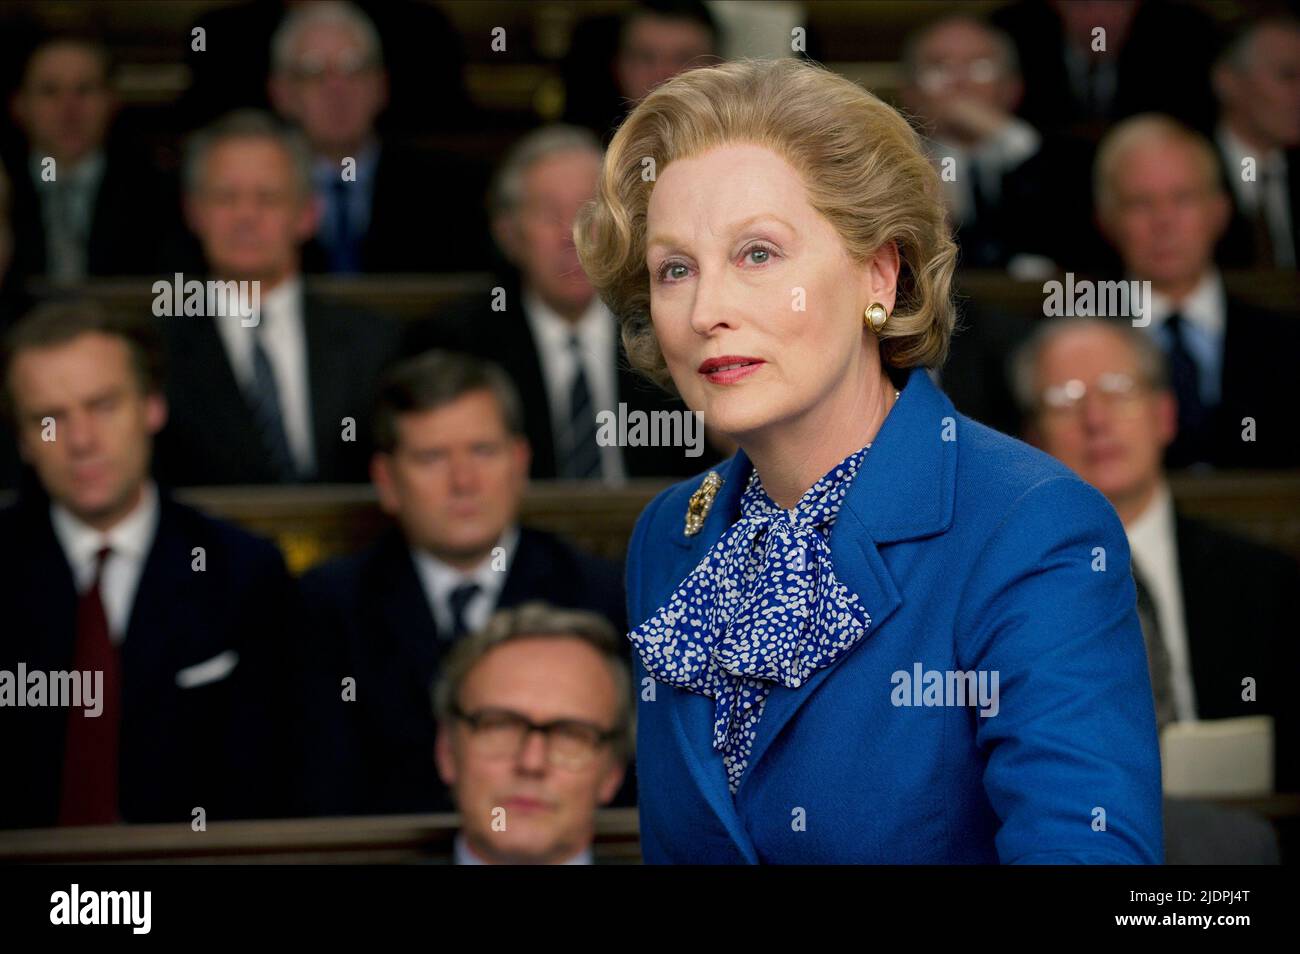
{"points": [[501, 733]]}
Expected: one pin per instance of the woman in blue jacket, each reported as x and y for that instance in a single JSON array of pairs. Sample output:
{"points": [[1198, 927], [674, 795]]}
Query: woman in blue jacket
{"points": [[881, 632]]}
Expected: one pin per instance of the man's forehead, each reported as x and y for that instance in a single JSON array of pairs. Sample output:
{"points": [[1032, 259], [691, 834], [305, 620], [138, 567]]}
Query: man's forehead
{"points": [[538, 671]]}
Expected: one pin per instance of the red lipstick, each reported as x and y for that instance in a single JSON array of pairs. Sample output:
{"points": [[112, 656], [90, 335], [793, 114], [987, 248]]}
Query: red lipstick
{"points": [[729, 368]]}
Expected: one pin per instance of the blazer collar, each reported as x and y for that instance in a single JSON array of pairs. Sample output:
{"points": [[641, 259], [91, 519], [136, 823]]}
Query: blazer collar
{"points": [[918, 439], [903, 491]]}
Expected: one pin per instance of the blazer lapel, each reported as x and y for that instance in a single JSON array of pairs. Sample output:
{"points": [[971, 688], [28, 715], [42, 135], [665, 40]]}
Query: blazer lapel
{"points": [[905, 490], [404, 609], [692, 713]]}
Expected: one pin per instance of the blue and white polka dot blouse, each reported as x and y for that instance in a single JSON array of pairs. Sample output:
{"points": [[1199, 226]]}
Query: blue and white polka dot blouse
{"points": [[763, 607]]}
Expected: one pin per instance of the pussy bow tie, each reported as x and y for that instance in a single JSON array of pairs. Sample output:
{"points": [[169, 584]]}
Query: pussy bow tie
{"points": [[764, 607]]}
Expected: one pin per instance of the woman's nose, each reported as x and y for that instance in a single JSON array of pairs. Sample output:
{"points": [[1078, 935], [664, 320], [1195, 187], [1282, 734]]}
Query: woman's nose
{"points": [[712, 306]]}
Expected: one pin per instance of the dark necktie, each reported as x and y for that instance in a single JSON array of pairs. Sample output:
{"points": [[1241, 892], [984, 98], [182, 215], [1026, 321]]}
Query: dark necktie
{"points": [[458, 601], [67, 245], [264, 399], [582, 460], [1185, 376], [1265, 253], [1157, 652], [90, 751], [345, 250]]}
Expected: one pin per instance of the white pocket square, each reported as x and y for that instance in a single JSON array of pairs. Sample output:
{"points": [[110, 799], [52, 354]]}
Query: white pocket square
{"points": [[218, 667]]}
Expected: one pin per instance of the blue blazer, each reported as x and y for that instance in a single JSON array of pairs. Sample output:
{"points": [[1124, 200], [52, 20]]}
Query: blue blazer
{"points": [[971, 551]]}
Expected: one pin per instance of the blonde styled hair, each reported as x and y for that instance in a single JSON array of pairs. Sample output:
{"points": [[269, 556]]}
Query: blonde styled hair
{"points": [[860, 161]]}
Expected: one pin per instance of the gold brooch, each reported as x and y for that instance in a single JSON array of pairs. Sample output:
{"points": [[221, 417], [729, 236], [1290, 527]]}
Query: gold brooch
{"points": [[698, 506]]}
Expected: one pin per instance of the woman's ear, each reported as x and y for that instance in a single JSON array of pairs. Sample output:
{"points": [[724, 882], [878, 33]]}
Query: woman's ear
{"points": [[881, 278]]}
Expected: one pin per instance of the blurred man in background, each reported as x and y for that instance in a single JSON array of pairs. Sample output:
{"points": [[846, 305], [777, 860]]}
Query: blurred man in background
{"points": [[535, 718], [1216, 608], [546, 326], [1160, 201], [630, 54], [81, 207], [384, 208], [283, 398], [180, 618], [1257, 81], [963, 85], [451, 466]]}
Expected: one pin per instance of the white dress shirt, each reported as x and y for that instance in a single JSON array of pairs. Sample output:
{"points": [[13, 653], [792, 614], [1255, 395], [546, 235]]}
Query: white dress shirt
{"points": [[438, 579], [1270, 186], [464, 856], [1012, 145], [597, 332], [283, 333], [130, 539], [1153, 543], [1205, 317]]}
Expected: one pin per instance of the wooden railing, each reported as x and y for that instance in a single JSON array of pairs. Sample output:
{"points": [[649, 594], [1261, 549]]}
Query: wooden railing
{"points": [[391, 839], [313, 523]]}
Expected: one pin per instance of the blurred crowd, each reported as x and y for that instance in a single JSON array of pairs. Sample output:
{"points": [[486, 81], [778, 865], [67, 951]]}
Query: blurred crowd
{"points": [[464, 660]]}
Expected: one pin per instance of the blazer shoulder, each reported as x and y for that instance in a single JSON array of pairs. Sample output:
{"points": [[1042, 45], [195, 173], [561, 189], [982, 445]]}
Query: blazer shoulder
{"points": [[252, 553], [340, 580], [1001, 478]]}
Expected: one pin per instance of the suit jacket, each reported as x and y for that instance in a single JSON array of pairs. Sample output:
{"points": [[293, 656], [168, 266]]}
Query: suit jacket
{"points": [[210, 437], [426, 215], [1256, 370], [370, 619], [1237, 247], [135, 209], [1146, 81], [1240, 604], [973, 553], [506, 338], [216, 745]]}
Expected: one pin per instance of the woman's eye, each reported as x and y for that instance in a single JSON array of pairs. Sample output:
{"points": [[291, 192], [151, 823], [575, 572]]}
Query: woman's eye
{"points": [[669, 271], [759, 255]]}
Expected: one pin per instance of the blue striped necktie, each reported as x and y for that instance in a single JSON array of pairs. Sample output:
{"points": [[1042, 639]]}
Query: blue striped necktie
{"points": [[582, 460]]}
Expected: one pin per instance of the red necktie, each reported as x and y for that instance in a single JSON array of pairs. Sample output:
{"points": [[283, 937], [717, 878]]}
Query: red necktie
{"points": [[90, 751]]}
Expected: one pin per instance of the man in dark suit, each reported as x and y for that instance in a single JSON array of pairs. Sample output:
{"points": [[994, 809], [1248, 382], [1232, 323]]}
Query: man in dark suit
{"points": [[385, 208], [1219, 609], [451, 466], [1160, 202], [282, 396], [1258, 139], [534, 667], [230, 69], [549, 331], [80, 206], [1088, 63], [169, 623], [1001, 177]]}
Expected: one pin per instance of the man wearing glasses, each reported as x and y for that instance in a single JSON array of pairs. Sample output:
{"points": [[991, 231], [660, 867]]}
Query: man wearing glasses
{"points": [[535, 726], [1215, 608], [384, 207]]}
